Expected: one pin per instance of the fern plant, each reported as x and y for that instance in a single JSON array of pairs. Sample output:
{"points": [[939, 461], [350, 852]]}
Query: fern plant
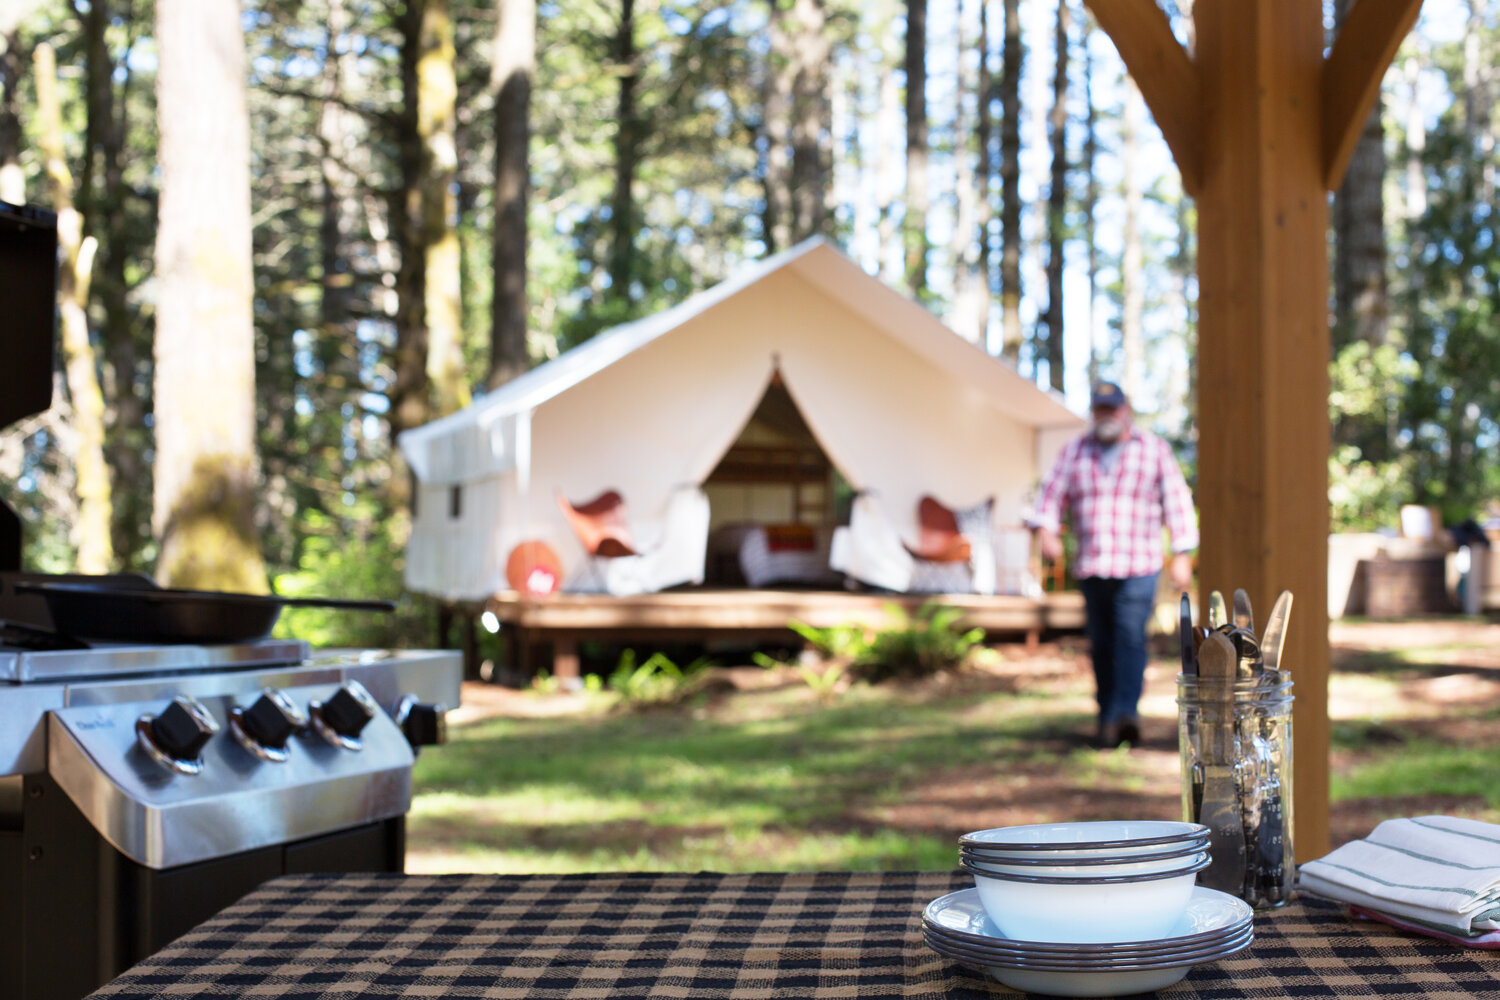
{"points": [[913, 646]]}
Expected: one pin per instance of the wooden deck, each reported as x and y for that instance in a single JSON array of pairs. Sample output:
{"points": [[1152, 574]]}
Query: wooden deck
{"points": [[562, 620]]}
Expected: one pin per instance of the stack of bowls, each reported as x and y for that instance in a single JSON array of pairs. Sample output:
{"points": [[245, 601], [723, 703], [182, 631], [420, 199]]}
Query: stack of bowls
{"points": [[1087, 909]]}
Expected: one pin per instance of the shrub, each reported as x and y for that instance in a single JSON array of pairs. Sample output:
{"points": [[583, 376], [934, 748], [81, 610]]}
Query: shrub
{"points": [[915, 646], [658, 681]]}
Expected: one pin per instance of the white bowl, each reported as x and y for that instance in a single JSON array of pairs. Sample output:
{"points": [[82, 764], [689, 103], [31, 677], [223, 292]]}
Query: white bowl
{"points": [[1062, 868], [1088, 839], [1086, 912]]}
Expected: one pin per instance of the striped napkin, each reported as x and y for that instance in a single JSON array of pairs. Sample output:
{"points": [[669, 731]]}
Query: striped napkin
{"points": [[1439, 871]]}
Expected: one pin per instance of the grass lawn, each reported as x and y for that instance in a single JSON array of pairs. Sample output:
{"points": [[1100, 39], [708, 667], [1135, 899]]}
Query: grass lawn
{"points": [[762, 774]]}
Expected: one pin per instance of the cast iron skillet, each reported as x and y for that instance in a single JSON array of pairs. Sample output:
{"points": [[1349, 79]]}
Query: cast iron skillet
{"points": [[135, 609]]}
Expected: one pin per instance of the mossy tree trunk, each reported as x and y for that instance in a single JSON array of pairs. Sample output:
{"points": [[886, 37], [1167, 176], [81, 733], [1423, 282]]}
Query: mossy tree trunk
{"points": [[206, 475], [91, 533], [437, 119]]}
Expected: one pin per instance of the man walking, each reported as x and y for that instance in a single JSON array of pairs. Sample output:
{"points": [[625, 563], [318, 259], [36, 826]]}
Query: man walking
{"points": [[1119, 484]]}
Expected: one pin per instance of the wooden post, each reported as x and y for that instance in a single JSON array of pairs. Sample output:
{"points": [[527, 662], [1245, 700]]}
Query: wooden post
{"points": [[1264, 348], [1261, 126], [565, 667]]}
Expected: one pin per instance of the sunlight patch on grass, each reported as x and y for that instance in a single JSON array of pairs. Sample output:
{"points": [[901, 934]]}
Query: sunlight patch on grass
{"points": [[1368, 696], [1418, 768], [727, 851], [552, 805]]}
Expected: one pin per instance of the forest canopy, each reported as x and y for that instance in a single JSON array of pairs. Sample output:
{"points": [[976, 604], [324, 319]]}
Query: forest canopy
{"points": [[443, 193]]}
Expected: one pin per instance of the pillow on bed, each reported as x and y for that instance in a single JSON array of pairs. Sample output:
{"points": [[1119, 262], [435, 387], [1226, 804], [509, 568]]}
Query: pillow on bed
{"points": [[790, 538]]}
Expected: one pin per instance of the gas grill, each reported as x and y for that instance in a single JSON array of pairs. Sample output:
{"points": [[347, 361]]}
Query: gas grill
{"points": [[145, 786]]}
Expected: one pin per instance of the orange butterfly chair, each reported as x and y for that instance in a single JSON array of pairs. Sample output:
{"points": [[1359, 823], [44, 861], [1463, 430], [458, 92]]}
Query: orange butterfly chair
{"points": [[601, 527], [939, 541]]}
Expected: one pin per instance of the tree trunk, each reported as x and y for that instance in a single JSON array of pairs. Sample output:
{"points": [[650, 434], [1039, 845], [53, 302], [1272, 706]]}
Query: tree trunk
{"points": [[1132, 270], [984, 169], [776, 123], [810, 162], [410, 406], [1091, 199], [337, 184], [205, 484], [1359, 280], [510, 79], [622, 218], [915, 225], [437, 122], [103, 195], [1416, 146], [1057, 200], [1010, 180], [965, 312], [887, 163], [12, 178], [91, 533]]}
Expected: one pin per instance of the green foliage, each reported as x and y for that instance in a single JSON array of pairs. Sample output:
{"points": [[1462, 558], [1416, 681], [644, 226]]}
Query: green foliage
{"points": [[823, 677], [337, 562], [1369, 478], [1446, 293], [658, 681], [913, 646]]}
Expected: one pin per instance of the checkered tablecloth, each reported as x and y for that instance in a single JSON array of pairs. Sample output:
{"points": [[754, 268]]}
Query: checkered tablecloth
{"points": [[320, 937]]}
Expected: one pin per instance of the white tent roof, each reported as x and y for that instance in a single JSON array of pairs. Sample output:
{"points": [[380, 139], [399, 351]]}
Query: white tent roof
{"points": [[819, 262]]}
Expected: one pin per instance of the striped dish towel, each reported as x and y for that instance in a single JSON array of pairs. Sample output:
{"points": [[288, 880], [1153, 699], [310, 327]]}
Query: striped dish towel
{"points": [[1436, 870]]}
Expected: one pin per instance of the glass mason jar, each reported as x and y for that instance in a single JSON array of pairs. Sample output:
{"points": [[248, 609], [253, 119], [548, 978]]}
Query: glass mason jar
{"points": [[1235, 738]]}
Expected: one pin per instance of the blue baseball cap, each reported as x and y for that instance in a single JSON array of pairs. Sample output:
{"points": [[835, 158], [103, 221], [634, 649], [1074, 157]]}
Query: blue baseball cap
{"points": [[1107, 394]]}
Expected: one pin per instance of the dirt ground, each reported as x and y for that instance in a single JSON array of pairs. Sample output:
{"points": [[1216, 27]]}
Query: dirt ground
{"points": [[1443, 696]]}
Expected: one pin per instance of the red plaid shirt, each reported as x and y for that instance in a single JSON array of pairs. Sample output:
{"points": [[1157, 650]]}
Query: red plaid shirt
{"points": [[1117, 515]]}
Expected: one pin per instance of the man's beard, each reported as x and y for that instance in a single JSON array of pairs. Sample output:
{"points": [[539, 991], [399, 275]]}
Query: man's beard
{"points": [[1109, 430]]}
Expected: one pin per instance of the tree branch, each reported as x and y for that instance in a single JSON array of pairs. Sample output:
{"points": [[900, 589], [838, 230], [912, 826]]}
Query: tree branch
{"points": [[386, 118]]}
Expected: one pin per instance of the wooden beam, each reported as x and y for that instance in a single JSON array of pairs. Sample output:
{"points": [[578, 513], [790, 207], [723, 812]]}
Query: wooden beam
{"points": [[1165, 74], [1264, 347], [1365, 45]]}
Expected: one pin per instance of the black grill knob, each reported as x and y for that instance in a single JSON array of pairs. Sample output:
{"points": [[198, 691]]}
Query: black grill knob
{"points": [[344, 716], [424, 725], [265, 726], [178, 735], [273, 719]]}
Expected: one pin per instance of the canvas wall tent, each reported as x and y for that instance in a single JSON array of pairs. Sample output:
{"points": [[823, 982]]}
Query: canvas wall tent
{"points": [[900, 404]]}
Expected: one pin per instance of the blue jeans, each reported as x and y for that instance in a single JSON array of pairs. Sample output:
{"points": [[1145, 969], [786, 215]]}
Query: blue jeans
{"points": [[1117, 613]]}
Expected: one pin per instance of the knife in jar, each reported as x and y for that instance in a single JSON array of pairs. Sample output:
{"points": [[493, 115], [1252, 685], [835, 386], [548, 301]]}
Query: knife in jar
{"points": [[1186, 638]]}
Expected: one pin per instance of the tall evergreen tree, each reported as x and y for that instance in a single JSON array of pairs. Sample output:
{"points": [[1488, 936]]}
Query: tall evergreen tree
{"points": [[510, 78], [915, 226], [1010, 185], [1359, 264], [622, 218], [1057, 197], [1132, 253]]}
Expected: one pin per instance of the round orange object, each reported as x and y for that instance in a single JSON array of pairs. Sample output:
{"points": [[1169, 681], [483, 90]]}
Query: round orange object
{"points": [[533, 568]]}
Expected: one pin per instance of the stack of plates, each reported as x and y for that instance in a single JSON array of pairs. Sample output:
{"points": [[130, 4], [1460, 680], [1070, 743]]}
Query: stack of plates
{"points": [[1215, 925]]}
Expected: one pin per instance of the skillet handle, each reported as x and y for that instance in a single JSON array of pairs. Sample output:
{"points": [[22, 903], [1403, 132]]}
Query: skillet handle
{"points": [[334, 602]]}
